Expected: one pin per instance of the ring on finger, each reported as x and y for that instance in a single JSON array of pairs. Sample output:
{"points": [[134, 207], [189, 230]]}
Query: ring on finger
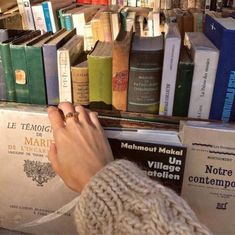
{"points": [[71, 115]]}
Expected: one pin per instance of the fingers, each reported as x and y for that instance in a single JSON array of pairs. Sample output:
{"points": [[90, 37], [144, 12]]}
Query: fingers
{"points": [[94, 119], [55, 118], [52, 156], [83, 115], [68, 111]]}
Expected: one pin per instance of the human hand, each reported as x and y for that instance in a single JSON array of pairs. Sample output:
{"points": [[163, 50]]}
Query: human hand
{"points": [[81, 148]]}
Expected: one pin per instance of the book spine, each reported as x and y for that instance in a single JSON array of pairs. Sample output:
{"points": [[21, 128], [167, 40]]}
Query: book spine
{"points": [[52, 17], [37, 86], [80, 85], [68, 22], [223, 101], [3, 95], [28, 14], [170, 63], [19, 67], [64, 76], [7, 68], [51, 74], [121, 51], [183, 89], [39, 19], [47, 17], [23, 15], [105, 22], [100, 82], [144, 81], [203, 83]]}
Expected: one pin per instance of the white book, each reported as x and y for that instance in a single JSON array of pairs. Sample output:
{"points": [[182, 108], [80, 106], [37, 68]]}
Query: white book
{"points": [[30, 189], [28, 14], [66, 57], [88, 37], [205, 57], [208, 184], [169, 71], [38, 16], [156, 23]]}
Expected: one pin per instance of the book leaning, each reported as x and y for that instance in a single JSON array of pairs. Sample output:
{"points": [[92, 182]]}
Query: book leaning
{"points": [[209, 183], [30, 189]]}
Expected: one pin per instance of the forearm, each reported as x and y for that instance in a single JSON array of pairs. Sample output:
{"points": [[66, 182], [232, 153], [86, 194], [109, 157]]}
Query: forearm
{"points": [[120, 199]]}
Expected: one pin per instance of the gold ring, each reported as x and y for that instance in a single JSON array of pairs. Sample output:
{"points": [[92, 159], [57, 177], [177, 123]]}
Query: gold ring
{"points": [[70, 115]]}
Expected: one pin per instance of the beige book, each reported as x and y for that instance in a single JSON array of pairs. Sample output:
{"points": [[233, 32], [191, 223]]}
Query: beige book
{"points": [[80, 83], [209, 182], [66, 57], [105, 24], [30, 189]]}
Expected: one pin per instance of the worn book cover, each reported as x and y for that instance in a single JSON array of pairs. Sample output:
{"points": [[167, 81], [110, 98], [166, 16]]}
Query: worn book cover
{"points": [[221, 31], [145, 73], [205, 57], [120, 66], [154, 153], [208, 184], [30, 189]]}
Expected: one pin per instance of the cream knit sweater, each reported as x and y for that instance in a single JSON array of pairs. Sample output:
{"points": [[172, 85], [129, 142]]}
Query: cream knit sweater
{"points": [[121, 200]]}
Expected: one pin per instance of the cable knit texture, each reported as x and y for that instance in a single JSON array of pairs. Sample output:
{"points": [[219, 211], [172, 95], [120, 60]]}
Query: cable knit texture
{"points": [[122, 200]]}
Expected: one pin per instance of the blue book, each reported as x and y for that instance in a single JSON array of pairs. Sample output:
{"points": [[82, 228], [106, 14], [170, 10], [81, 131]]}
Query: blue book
{"points": [[50, 63], [46, 13], [221, 31]]}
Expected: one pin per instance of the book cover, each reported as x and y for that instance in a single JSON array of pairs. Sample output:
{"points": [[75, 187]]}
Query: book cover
{"points": [[153, 153], [25, 138], [205, 57], [35, 70], [100, 75], [19, 66], [172, 44], [145, 71], [7, 65], [208, 184], [80, 83], [221, 32], [27, 9], [120, 67], [50, 63], [38, 16], [183, 84], [66, 57]]}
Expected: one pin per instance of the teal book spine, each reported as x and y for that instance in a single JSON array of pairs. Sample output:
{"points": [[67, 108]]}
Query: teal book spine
{"points": [[19, 67], [36, 76], [8, 73]]}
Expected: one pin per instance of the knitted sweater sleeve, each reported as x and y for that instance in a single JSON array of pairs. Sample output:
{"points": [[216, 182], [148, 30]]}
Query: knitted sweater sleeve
{"points": [[121, 200]]}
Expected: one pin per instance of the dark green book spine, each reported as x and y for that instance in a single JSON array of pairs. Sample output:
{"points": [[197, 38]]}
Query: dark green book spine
{"points": [[36, 76], [7, 68], [19, 67], [145, 74], [183, 89]]}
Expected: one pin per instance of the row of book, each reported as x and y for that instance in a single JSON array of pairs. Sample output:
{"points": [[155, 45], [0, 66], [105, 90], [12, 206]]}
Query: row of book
{"points": [[197, 166]]}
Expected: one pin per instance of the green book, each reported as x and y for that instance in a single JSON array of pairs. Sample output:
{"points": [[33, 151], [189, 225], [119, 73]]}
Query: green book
{"points": [[100, 75], [19, 66], [183, 84], [7, 63], [35, 70]]}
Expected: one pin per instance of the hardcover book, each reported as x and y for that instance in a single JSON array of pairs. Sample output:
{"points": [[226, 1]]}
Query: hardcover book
{"points": [[120, 66], [35, 70], [221, 31], [50, 63], [205, 57], [19, 66], [208, 184], [170, 63], [145, 71], [30, 189], [183, 84], [66, 57], [100, 75]]}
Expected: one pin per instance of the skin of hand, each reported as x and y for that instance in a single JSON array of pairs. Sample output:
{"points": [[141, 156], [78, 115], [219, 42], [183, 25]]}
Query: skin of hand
{"points": [[80, 147]]}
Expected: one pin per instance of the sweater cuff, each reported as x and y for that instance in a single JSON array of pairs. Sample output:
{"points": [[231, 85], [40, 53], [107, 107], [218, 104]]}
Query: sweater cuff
{"points": [[103, 197]]}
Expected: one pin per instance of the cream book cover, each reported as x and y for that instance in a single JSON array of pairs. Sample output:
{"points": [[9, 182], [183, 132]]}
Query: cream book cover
{"points": [[29, 188], [209, 177]]}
